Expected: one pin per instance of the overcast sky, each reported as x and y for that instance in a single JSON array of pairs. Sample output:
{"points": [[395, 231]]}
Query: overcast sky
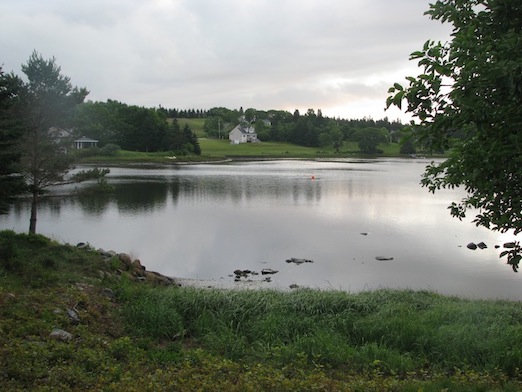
{"points": [[340, 56]]}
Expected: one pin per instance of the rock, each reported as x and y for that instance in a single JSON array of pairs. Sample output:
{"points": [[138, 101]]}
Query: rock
{"points": [[268, 271], [294, 286], [298, 261], [509, 245], [107, 292], [242, 273], [82, 245], [60, 334], [472, 246], [106, 254], [136, 264], [364, 233], [137, 272], [382, 258], [156, 278], [73, 316], [125, 259], [482, 245]]}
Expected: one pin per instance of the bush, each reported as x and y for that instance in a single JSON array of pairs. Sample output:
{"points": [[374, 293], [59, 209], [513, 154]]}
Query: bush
{"points": [[110, 150]]}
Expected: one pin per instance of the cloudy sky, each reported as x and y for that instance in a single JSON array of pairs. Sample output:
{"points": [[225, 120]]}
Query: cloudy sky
{"points": [[339, 56]]}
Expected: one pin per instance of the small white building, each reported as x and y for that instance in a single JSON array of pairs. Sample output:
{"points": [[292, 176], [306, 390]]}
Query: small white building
{"points": [[243, 134], [85, 142]]}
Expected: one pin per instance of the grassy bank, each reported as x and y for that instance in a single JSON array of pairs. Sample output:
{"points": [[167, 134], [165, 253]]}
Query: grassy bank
{"points": [[214, 150], [142, 337]]}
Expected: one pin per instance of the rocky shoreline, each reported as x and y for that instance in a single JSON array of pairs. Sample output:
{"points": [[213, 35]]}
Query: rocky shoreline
{"points": [[122, 264]]}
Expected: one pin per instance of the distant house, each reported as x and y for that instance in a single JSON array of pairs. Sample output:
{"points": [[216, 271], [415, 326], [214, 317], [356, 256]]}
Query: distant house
{"points": [[243, 134], [85, 142]]}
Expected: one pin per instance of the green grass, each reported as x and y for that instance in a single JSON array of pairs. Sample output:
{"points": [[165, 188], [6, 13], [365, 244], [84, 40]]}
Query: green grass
{"points": [[223, 148], [196, 124], [214, 149], [150, 338]]}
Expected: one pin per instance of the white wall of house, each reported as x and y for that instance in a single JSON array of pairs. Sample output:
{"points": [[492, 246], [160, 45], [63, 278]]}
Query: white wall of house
{"points": [[242, 135]]}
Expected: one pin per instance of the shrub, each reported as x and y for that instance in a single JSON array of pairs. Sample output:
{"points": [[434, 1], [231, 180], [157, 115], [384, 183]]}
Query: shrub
{"points": [[110, 150]]}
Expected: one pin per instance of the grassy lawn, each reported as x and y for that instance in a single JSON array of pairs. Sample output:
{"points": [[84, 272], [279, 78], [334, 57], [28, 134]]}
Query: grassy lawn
{"points": [[129, 334], [214, 149]]}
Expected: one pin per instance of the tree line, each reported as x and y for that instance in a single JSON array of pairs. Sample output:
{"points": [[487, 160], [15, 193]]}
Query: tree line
{"points": [[311, 129], [134, 128], [183, 113]]}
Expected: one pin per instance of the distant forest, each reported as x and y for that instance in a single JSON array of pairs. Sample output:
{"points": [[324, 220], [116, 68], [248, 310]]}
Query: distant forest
{"points": [[157, 129]]}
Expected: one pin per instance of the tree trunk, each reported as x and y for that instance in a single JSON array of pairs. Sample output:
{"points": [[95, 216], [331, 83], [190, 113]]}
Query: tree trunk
{"points": [[34, 208]]}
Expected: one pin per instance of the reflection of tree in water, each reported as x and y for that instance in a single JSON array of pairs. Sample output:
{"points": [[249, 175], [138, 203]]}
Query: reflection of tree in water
{"points": [[248, 188], [94, 204], [140, 197], [133, 197]]}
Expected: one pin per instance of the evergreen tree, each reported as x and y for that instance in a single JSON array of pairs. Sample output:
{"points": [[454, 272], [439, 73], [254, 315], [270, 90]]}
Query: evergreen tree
{"points": [[45, 108], [11, 182]]}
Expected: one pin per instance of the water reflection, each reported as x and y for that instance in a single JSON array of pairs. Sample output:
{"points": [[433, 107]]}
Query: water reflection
{"points": [[205, 221]]}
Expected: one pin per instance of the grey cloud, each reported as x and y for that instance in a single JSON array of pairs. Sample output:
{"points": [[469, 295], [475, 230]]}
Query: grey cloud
{"points": [[201, 53]]}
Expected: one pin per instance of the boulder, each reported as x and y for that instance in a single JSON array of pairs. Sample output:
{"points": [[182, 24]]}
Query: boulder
{"points": [[60, 334], [107, 292], [125, 259], [74, 317], [471, 246], [82, 245], [156, 278], [482, 245], [136, 264]]}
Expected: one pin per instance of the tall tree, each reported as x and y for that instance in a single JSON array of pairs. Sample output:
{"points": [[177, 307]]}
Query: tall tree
{"points": [[469, 97], [11, 183], [370, 138], [45, 107]]}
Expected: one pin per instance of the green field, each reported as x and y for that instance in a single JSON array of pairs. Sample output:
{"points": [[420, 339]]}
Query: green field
{"points": [[196, 124], [223, 148], [214, 149]]}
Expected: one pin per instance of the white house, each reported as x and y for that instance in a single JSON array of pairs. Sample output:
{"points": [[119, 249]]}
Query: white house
{"points": [[85, 142], [243, 134]]}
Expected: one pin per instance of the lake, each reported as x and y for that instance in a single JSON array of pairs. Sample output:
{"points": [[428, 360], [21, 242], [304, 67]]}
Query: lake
{"points": [[204, 221]]}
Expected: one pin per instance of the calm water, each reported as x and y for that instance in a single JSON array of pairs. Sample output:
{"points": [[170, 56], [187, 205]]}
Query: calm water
{"points": [[205, 221]]}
